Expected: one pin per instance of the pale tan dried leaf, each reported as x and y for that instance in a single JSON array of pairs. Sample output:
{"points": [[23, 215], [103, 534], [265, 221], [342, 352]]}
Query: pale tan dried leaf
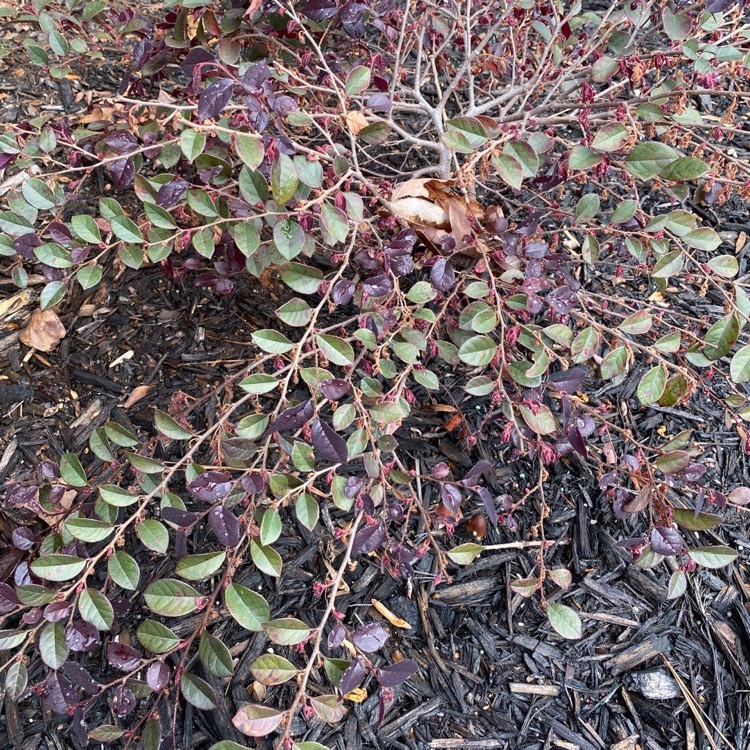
{"points": [[396, 621], [421, 211], [356, 122], [44, 331], [741, 240], [138, 393]]}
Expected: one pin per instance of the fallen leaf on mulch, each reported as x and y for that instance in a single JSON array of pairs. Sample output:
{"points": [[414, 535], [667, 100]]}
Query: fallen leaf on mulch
{"points": [[44, 331]]}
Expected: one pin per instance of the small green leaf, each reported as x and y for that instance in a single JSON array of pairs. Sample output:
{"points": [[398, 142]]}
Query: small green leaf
{"points": [[335, 349], [284, 179], [652, 385], [197, 692], [270, 527], [86, 229], [125, 229], [270, 669], [124, 570], [610, 138], [71, 470], [565, 621], [250, 149], [357, 80], [89, 276], [156, 638], [713, 557], [169, 427], [153, 535], [465, 554], [52, 646], [171, 598], [57, 567], [201, 566], [192, 143], [96, 609], [684, 169], [266, 559], [215, 656], [249, 609]]}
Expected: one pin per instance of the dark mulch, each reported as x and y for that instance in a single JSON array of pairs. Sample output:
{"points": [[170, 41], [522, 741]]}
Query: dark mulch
{"points": [[493, 673]]}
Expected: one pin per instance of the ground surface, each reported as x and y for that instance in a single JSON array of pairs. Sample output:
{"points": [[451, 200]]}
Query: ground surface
{"points": [[493, 674]]}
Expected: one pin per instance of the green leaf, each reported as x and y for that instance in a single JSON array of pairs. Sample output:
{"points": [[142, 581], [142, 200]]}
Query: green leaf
{"points": [[52, 646], [652, 385], [192, 143], [721, 337], [51, 294], [525, 155], [647, 160], [289, 238], [125, 229], [465, 554], [684, 169], [541, 419], [16, 680], [215, 656], [106, 732], [71, 470], [335, 349], [270, 527], [703, 238], [639, 322], [124, 570], [144, 464], [610, 138], [334, 222], [269, 669], [725, 266], [255, 720], [88, 529], [96, 609], [114, 495], [54, 255], [477, 351], [357, 80], [169, 427], [156, 638], [713, 557], [587, 208], [677, 25], [565, 621], [250, 149], [296, 312], [677, 584], [153, 535], [259, 384], [171, 598], [272, 341], [301, 279], [197, 692], [201, 566], [581, 158], [38, 194], [11, 638], [287, 631], [688, 520], [89, 276], [668, 265], [739, 369], [307, 511], [249, 609], [284, 179], [510, 170], [267, 560], [57, 567]]}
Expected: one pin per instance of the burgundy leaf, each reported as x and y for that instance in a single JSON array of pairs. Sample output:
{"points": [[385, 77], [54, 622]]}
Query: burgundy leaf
{"points": [[255, 76], [489, 504], [179, 517], [352, 19], [440, 470], [8, 599], [56, 611], [293, 418], [196, 56], [397, 673], [717, 6], [576, 440], [319, 10], [170, 193], [123, 701], [328, 443], [568, 381], [353, 676], [122, 141], [370, 638], [58, 693], [225, 525], [253, 483], [82, 636], [336, 636], [80, 677], [141, 52], [123, 657], [342, 292], [442, 275], [378, 285], [562, 300], [334, 389], [666, 541], [354, 486], [379, 103], [122, 172], [472, 477], [451, 497], [368, 539], [157, 676], [60, 234], [211, 486], [214, 98]]}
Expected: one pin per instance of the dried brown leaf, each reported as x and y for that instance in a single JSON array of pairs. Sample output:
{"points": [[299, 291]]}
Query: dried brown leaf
{"points": [[44, 331]]}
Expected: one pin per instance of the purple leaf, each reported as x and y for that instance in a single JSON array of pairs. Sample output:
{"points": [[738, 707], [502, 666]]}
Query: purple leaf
{"points": [[370, 638], [58, 693], [170, 193], [397, 673], [328, 443], [442, 275], [214, 98], [379, 103], [157, 676], [60, 234], [225, 525], [476, 471], [451, 497], [336, 636], [440, 470], [255, 76], [342, 292], [319, 10], [82, 636], [353, 676], [368, 539], [56, 611], [253, 483], [123, 657], [122, 141], [196, 56], [81, 677], [562, 300], [717, 6], [334, 389], [141, 52], [211, 486], [576, 440], [666, 541], [568, 381], [179, 517], [122, 172], [378, 285], [489, 504], [293, 418], [354, 486], [123, 701], [352, 19], [8, 599]]}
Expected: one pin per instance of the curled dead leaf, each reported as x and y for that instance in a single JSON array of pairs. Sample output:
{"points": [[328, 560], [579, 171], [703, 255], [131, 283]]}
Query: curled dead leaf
{"points": [[44, 331], [356, 122]]}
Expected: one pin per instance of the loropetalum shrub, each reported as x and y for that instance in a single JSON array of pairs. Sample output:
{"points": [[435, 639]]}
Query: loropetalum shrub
{"points": [[493, 203]]}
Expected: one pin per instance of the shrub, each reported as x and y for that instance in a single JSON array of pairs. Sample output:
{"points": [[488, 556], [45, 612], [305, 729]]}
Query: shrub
{"points": [[493, 204]]}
